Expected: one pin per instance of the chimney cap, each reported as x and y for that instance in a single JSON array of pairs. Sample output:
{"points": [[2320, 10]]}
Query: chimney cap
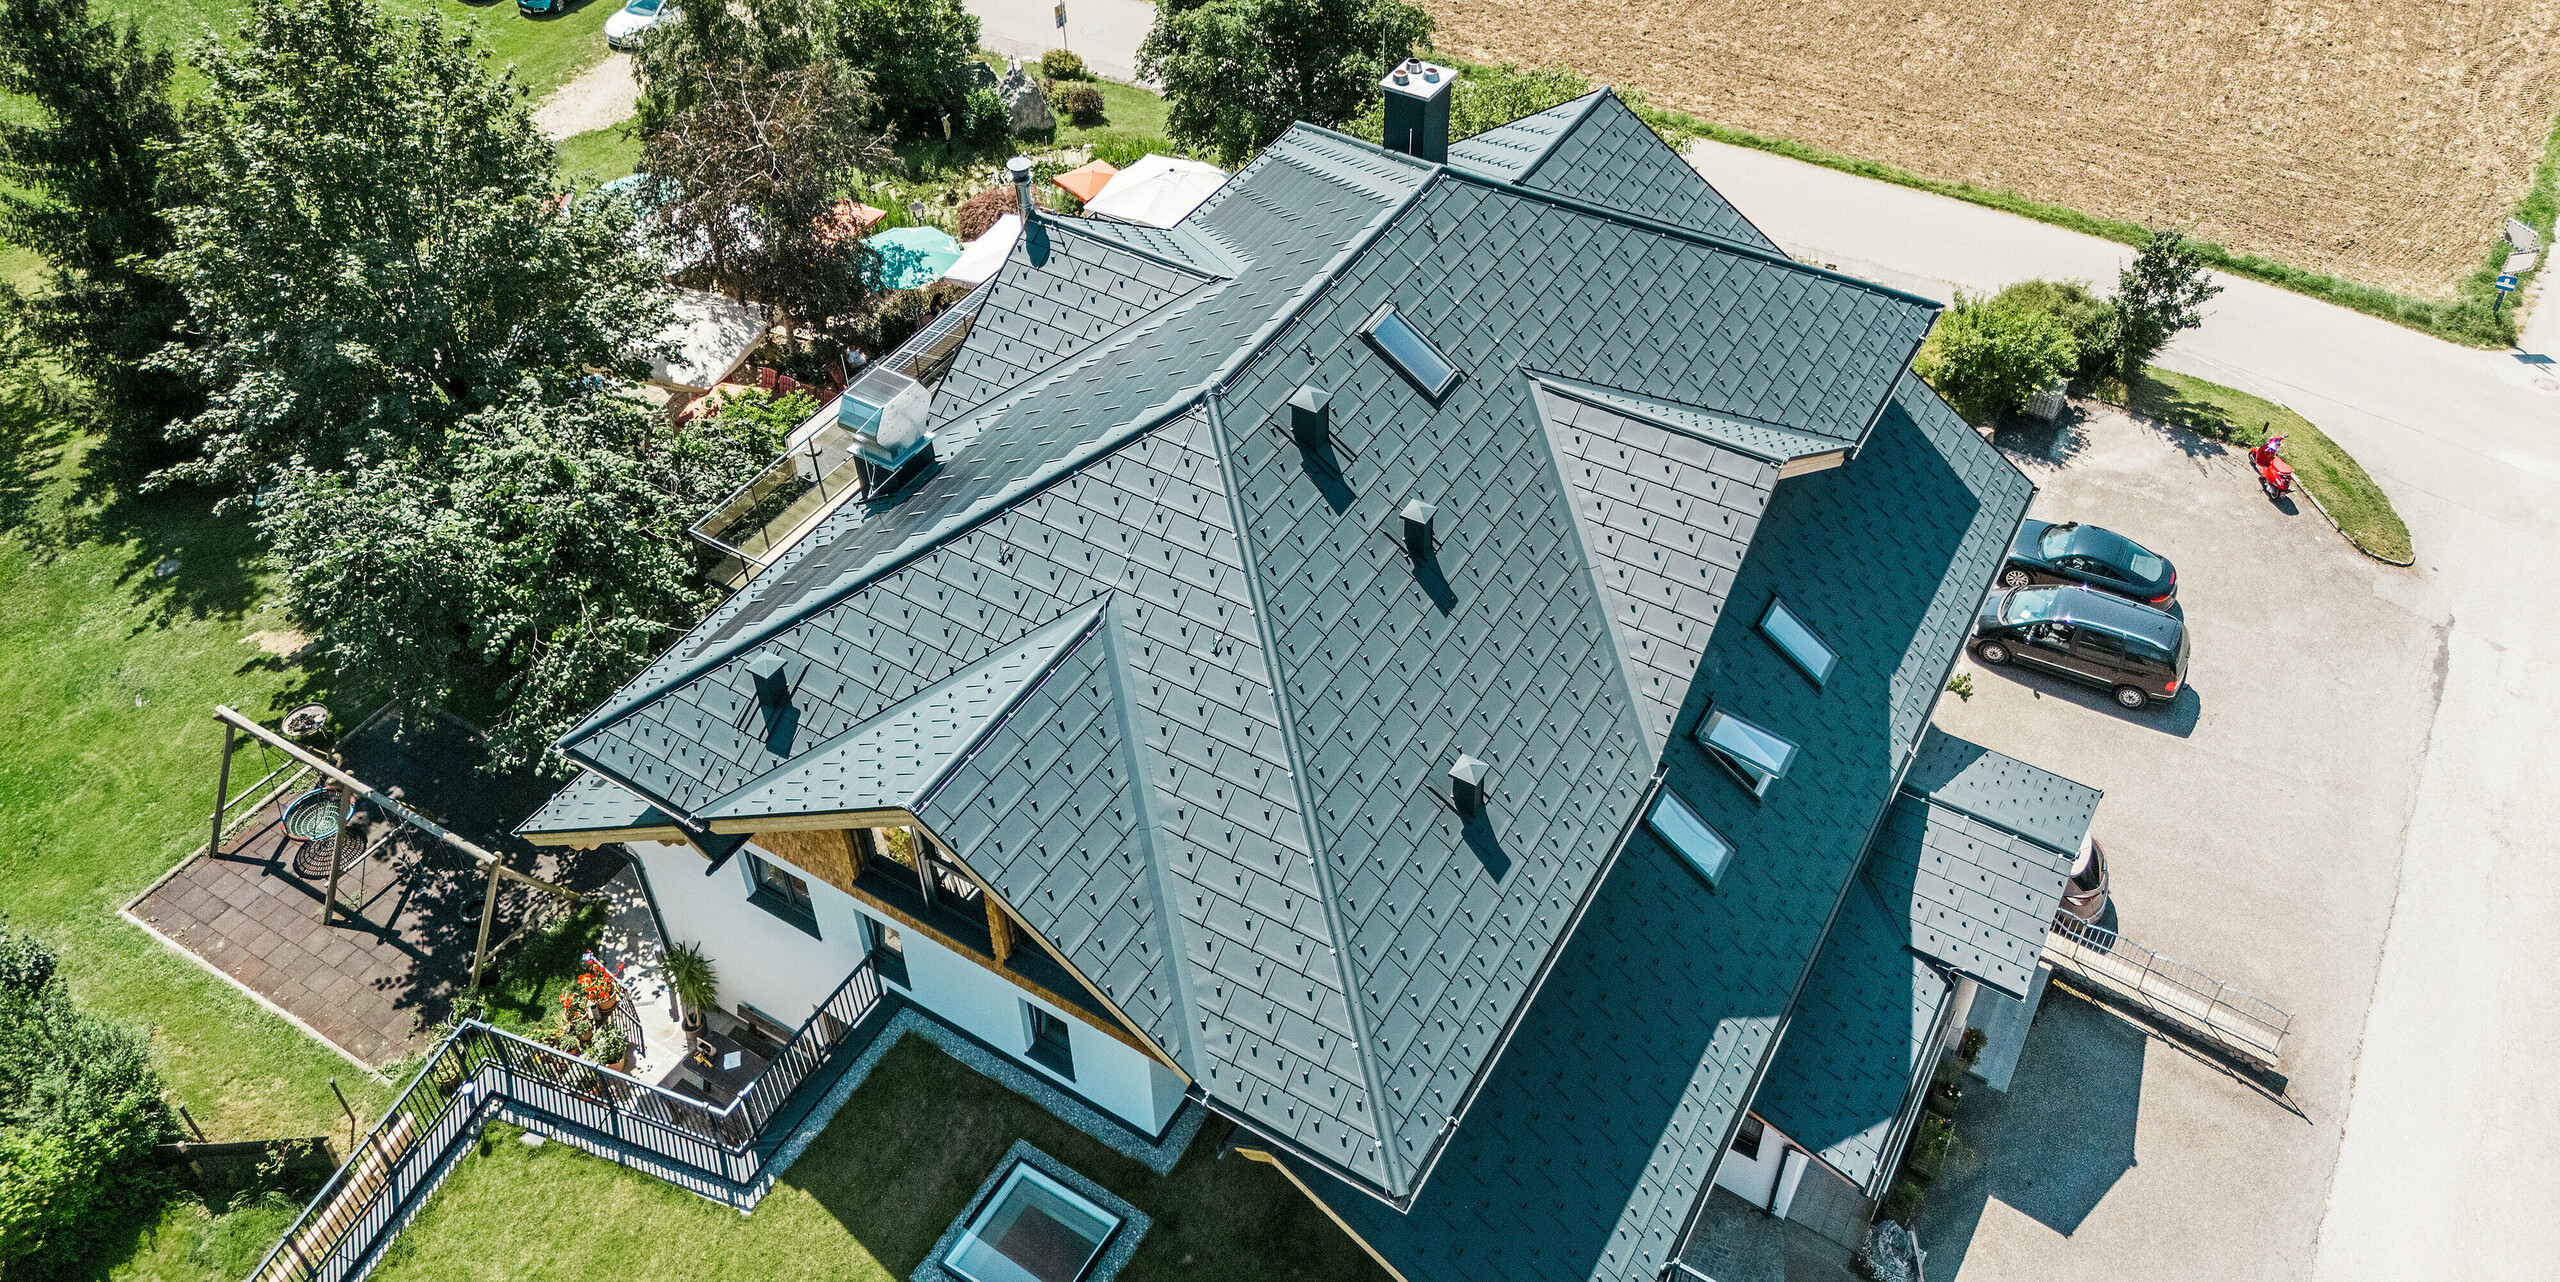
{"points": [[1018, 169], [1310, 398], [1415, 78], [771, 690], [1469, 771], [1420, 513]]}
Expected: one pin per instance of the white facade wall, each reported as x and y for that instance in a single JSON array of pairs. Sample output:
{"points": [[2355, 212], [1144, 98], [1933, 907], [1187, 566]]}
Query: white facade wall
{"points": [[1753, 1179], [777, 968]]}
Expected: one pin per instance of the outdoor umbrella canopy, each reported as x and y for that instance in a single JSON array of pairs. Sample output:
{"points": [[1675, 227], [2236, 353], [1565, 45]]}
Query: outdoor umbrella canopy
{"points": [[1158, 191], [1086, 181], [912, 257], [988, 252]]}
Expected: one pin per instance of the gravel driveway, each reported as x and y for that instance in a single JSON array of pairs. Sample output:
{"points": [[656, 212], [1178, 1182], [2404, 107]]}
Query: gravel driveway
{"points": [[2254, 830]]}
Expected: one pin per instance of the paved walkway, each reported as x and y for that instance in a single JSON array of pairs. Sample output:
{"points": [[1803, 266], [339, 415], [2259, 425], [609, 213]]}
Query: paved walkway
{"points": [[1106, 32], [2452, 1142]]}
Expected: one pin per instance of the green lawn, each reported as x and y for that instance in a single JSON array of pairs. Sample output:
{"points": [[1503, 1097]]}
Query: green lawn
{"points": [[600, 155], [547, 50], [2363, 513], [865, 1204]]}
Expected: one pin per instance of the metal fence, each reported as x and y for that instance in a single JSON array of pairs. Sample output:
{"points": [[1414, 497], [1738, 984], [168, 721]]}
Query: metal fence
{"points": [[2249, 1026], [479, 1071]]}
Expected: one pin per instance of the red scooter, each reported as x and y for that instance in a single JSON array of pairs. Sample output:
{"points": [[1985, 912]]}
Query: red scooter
{"points": [[2275, 476]]}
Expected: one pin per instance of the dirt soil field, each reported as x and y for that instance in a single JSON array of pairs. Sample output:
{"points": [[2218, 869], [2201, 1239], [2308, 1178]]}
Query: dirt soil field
{"points": [[2382, 141]]}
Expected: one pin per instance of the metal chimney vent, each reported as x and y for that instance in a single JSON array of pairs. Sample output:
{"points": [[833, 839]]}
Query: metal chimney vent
{"points": [[771, 689], [1417, 515], [1310, 416], [1466, 783], [1417, 109], [1018, 171]]}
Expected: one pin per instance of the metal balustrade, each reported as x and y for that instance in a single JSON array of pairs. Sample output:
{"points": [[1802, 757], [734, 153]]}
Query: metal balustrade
{"points": [[478, 1072]]}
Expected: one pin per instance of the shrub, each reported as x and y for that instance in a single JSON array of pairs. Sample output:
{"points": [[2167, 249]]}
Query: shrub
{"points": [[1988, 359], [2162, 291], [1080, 104], [80, 1109], [1062, 64], [917, 54], [1902, 1204], [690, 974], [2090, 319], [1123, 147], [611, 1044], [987, 122], [980, 212]]}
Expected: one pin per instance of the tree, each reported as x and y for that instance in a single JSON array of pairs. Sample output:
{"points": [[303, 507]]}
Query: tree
{"points": [[1987, 358], [86, 167], [2090, 320], [2161, 292], [542, 558], [916, 54], [747, 137], [80, 1111], [1238, 73], [376, 246]]}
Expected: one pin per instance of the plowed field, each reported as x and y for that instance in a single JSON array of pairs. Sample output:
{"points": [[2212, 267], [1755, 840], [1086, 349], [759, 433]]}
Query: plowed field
{"points": [[2381, 141]]}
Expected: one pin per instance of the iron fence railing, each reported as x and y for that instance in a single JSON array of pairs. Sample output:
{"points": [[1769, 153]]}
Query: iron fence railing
{"points": [[478, 1070], [2247, 1024]]}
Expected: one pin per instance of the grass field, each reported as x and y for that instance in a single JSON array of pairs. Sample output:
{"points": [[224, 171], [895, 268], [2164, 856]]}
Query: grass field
{"points": [[546, 50], [2380, 142], [865, 1204], [2361, 511]]}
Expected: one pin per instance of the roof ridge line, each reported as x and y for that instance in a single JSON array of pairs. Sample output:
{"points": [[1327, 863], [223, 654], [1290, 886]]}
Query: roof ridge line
{"points": [[1095, 610], [1571, 388], [1692, 235], [1580, 118], [1328, 902], [1069, 223]]}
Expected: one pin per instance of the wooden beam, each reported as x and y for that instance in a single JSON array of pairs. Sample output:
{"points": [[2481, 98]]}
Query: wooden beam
{"points": [[488, 909], [1812, 463], [833, 819], [1260, 1155], [999, 929], [221, 790], [590, 838]]}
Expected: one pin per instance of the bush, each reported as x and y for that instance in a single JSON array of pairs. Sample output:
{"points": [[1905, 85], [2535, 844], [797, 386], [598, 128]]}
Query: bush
{"points": [[1062, 64], [1080, 104], [2162, 291], [917, 53], [980, 212], [1902, 1204], [80, 1109], [1123, 147], [1987, 359], [987, 122], [2091, 321]]}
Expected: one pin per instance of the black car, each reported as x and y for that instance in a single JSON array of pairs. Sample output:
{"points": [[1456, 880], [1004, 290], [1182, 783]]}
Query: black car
{"points": [[2103, 559], [2136, 652]]}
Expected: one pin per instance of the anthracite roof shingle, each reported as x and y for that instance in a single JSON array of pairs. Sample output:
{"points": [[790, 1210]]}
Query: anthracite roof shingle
{"points": [[1331, 950]]}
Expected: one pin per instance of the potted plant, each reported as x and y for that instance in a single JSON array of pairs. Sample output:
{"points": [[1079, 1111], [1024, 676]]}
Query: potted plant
{"points": [[595, 986], [696, 987], [612, 1048]]}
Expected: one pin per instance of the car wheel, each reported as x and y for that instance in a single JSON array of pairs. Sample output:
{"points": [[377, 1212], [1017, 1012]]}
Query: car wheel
{"points": [[2013, 577], [1992, 652], [2129, 697]]}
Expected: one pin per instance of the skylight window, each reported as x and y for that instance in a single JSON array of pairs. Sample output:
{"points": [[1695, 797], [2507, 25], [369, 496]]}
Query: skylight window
{"points": [[1674, 822], [1756, 757], [1797, 641], [1410, 351]]}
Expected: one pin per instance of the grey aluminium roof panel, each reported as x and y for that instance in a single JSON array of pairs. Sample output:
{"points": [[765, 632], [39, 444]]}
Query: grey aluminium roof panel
{"points": [[1764, 441], [593, 803], [2003, 791], [1595, 148]]}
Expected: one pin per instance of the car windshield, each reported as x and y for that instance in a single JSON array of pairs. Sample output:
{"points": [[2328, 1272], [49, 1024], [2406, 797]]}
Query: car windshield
{"points": [[2032, 605], [641, 8]]}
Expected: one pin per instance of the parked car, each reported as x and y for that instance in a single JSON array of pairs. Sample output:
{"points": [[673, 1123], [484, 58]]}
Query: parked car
{"points": [[2085, 895], [625, 28], [2103, 559], [540, 6], [2136, 652]]}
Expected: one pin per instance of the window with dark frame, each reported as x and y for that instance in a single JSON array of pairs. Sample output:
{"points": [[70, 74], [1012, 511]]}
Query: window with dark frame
{"points": [[1049, 1047], [888, 951], [776, 890], [1797, 641], [1410, 352], [1756, 757], [1706, 850]]}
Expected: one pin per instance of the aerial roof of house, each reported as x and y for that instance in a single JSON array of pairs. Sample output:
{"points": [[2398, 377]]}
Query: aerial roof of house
{"points": [[1220, 682]]}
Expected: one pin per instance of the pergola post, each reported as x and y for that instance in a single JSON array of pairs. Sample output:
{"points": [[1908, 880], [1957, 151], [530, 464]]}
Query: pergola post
{"points": [[488, 909], [338, 850], [221, 790]]}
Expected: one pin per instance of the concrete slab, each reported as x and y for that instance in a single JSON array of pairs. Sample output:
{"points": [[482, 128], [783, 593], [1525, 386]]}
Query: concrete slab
{"points": [[2004, 1021]]}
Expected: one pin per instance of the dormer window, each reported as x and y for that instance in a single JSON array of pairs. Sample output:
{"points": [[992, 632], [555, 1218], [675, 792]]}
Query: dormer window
{"points": [[1755, 756], [1406, 348]]}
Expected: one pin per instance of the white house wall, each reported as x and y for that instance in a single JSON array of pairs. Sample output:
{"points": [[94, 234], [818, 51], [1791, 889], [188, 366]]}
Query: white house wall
{"points": [[1753, 1179], [772, 965]]}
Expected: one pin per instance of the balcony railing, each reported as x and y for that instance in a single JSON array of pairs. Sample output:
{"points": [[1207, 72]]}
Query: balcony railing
{"points": [[479, 1072], [761, 519]]}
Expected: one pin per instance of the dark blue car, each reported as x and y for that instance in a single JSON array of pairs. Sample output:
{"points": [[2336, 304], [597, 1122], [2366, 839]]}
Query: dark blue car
{"points": [[539, 6], [2102, 559]]}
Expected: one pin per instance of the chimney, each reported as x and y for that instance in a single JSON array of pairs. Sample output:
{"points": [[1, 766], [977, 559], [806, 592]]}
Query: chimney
{"points": [[772, 690], [1309, 417], [1418, 542], [1466, 784], [1018, 170], [1418, 109]]}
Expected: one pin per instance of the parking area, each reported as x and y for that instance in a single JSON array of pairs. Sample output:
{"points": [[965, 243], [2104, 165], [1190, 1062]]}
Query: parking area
{"points": [[2254, 830]]}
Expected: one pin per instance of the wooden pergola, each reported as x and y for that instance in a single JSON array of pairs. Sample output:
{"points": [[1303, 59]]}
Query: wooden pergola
{"points": [[350, 788]]}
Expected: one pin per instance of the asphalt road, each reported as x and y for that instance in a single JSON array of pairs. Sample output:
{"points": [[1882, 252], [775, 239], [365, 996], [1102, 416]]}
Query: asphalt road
{"points": [[2450, 1142], [1105, 32]]}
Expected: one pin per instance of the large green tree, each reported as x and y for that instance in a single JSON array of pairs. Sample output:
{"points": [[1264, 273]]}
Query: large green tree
{"points": [[540, 560], [915, 53], [1238, 73], [84, 160], [374, 245], [2160, 293], [749, 133]]}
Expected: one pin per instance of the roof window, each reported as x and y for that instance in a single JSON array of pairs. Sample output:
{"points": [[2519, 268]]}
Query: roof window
{"points": [[1680, 827], [1797, 641], [1755, 756], [1410, 351]]}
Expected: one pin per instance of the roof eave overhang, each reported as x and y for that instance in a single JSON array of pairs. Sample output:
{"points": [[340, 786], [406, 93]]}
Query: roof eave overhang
{"points": [[817, 821]]}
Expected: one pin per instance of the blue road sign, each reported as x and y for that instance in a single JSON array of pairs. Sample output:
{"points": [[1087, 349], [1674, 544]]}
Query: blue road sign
{"points": [[1062, 17], [2506, 284]]}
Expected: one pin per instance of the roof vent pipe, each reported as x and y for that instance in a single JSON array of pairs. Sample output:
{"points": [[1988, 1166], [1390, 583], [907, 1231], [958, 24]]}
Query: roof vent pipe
{"points": [[1417, 109], [1466, 784], [1018, 170], [772, 690], [1418, 542], [1310, 417]]}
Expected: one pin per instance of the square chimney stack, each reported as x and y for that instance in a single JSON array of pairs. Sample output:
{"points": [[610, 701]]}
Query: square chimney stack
{"points": [[1418, 109]]}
